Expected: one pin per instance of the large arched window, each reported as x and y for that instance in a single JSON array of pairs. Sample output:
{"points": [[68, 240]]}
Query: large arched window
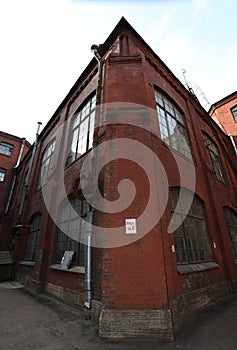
{"points": [[82, 130], [215, 159], [173, 129], [72, 226], [191, 237], [231, 221], [32, 239], [45, 164]]}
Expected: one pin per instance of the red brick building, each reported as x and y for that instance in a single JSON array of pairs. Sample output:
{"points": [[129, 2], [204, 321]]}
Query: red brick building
{"points": [[12, 151], [224, 112], [149, 249]]}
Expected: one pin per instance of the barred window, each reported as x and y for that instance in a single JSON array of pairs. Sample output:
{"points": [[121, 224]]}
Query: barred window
{"points": [[173, 129], [2, 174], [82, 130], [191, 237], [72, 226], [32, 239], [45, 164], [6, 149], [214, 157], [231, 221]]}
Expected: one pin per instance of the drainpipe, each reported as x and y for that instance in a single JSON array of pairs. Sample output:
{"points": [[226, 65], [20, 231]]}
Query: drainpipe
{"points": [[90, 214], [88, 263], [27, 180], [14, 179], [94, 49], [233, 143]]}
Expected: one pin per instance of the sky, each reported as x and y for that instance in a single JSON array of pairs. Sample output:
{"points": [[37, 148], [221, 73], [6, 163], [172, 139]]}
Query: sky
{"points": [[45, 46]]}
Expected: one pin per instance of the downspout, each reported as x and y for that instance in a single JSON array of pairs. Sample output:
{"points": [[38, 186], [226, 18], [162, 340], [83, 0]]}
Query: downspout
{"points": [[233, 143], [88, 263], [14, 178], [90, 214], [27, 180]]}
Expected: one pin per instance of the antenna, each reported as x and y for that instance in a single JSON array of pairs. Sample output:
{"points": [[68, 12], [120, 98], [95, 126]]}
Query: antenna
{"points": [[197, 93]]}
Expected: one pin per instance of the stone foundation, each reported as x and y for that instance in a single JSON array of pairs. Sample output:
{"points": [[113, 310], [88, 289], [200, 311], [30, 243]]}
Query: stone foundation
{"points": [[32, 285], [117, 324], [197, 299]]}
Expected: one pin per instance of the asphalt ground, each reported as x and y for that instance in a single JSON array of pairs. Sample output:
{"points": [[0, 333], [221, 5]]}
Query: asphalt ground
{"points": [[29, 322]]}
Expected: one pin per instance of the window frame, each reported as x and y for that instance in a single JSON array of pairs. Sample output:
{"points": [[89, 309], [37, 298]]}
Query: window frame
{"points": [[8, 146], [45, 165], [82, 126], [32, 238], [2, 174], [63, 241], [215, 159], [171, 117], [194, 231], [234, 112], [232, 226]]}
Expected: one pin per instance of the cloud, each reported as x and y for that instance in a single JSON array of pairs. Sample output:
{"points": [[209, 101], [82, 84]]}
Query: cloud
{"points": [[200, 6]]}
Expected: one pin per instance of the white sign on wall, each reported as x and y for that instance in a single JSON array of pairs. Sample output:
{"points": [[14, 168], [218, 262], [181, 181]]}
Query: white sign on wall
{"points": [[131, 226]]}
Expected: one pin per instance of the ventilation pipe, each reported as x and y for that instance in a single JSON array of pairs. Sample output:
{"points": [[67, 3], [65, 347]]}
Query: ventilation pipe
{"points": [[14, 178], [27, 180]]}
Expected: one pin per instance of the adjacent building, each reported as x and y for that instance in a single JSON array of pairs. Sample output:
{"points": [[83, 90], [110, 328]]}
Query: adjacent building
{"points": [[12, 151], [224, 112], [126, 205]]}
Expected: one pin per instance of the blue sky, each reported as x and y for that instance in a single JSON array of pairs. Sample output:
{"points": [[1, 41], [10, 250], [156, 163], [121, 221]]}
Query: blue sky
{"points": [[45, 45]]}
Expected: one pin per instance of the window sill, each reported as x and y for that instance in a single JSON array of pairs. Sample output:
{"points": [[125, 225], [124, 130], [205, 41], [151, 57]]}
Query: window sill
{"points": [[76, 269], [27, 263], [188, 268]]}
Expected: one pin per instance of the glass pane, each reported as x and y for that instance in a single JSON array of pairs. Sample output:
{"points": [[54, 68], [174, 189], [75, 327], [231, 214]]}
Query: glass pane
{"points": [[82, 142]]}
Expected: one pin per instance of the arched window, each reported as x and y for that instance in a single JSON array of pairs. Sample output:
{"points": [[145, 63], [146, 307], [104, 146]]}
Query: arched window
{"points": [[72, 225], [231, 221], [173, 129], [45, 164], [32, 239], [82, 130], [215, 159], [191, 237]]}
